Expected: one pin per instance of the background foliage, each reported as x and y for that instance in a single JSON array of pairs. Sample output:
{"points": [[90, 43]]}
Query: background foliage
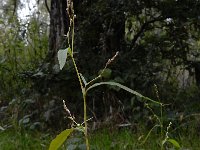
{"points": [[158, 44]]}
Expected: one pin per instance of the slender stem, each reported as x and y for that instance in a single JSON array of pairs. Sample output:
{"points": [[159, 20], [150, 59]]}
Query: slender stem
{"points": [[99, 76], [77, 72], [73, 35], [83, 90], [161, 126], [161, 118], [85, 121], [82, 87], [84, 102]]}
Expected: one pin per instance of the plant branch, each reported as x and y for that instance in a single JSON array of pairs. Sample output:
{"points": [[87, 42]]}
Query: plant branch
{"points": [[108, 63], [143, 29]]}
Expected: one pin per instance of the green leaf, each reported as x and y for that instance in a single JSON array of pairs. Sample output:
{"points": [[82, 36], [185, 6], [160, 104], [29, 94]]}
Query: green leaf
{"points": [[60, 139], [124, 88], [174, 142], [62, 57]]}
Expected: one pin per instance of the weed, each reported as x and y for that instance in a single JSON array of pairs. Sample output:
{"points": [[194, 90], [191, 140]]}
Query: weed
{"points": [[86, 86]]}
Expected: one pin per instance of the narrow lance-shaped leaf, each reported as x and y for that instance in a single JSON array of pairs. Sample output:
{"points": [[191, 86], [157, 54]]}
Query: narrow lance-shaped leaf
{"points": [[174, 142], [62, 57], [60, 139], [124, 88]]}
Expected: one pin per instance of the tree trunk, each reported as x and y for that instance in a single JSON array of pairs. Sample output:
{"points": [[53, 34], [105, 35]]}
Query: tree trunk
{"points": [[58, 29]]}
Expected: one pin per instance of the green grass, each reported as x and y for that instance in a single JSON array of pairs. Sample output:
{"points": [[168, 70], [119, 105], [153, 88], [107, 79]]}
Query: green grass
{"points": [[121, 140], [16, 140], [128, 140], [99, 140]]}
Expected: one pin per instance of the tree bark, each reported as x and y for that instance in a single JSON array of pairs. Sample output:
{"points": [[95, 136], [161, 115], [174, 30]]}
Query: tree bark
{"points": [[59, 25]]}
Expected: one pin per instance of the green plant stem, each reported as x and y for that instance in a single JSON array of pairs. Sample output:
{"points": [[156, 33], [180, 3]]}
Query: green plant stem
{"points": [[73, 35], [99, 76], [82, 88], [161, 124], [148, 134], [85, 120], [84, 101], [161, 118], [161, 115], [73, 60], [77, 72]]}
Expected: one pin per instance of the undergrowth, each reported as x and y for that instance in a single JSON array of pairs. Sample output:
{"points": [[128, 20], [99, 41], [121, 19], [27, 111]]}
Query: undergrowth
{"points": [[23, 140], [103, 139]]}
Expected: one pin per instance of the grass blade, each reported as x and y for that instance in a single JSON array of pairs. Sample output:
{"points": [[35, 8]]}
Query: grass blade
{"points": [[124, 88], [174, 142]]}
